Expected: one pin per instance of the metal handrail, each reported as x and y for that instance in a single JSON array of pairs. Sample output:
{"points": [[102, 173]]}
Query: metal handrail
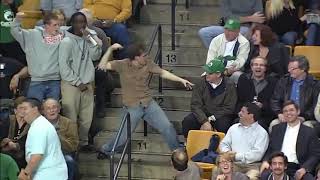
{"points": [[173, 24], [158, 60], [126, 149]]}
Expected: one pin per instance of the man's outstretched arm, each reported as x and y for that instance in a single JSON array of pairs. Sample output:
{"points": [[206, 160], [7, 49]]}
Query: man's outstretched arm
{"points": [[167, 75]]}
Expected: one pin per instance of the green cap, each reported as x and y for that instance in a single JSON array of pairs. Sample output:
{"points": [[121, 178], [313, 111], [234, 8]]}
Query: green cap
{"points": [[232, 24], [214, 66]]}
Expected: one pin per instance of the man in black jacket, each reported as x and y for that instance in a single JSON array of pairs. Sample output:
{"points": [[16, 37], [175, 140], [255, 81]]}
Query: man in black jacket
{"points": [[298, 86], [213, 101], [297, 141], [257, 87]]}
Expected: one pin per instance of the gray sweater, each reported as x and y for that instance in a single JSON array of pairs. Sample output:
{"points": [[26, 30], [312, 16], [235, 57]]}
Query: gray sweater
{"points": [[42, 58], [75, 59], [68, 6]]}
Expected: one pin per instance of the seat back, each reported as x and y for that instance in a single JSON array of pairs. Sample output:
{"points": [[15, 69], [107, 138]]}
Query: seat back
{"points": [[312, 53], [198, 140]]}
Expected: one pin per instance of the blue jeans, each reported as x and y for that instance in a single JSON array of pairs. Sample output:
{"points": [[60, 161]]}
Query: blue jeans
{"points": [[208, 33], [44, 89], [155, 117], [72, 166], [118, 33], [313, 36], [289, 38]]}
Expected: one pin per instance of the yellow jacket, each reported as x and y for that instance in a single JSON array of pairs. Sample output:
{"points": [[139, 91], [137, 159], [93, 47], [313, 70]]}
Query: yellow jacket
{"points": [[116, 10]]}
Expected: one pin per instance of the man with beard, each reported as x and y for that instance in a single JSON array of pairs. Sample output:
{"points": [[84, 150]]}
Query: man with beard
{"points": [[278, 165]]}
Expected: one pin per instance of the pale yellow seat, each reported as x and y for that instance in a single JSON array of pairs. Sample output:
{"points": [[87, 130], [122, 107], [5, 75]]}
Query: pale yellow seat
{"points": [[198, 140], [312, 53]]}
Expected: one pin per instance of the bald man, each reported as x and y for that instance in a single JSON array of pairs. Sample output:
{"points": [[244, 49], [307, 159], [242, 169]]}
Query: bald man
{"points": [[186, 170]]}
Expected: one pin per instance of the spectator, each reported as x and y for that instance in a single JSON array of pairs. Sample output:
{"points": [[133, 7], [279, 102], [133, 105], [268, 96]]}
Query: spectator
{"points": [[257, 87], [297, 141], [283, 19], [186, 170], [8, 168], [67, 131], [77, 52], [41, 47], [264, 44], [43, 150], [225, 170], [103, 80], [67, 6], [230, 44], [247, 11], [112, 15], [9, 47], [278, 165], [14, 144], [317, 116], [9, 68], [213, 101], [136, 95], [247, 140], [297, 86]]}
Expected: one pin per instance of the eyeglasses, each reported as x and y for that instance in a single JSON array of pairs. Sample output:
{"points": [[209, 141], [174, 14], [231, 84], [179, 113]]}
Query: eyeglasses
{"points": [[292, 69], [225, 161]]}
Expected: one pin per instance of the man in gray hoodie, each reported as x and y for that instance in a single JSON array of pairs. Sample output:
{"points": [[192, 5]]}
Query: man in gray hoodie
{"points": [[77, 53], [41, 48]]}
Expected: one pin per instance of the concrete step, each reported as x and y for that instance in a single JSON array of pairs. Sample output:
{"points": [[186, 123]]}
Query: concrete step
{"points": [[161, 13], [143, 167], [170, 99], [182, 2], [113, 119]]}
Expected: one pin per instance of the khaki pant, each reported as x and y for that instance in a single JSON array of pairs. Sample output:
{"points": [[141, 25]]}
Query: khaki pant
{"points": [[78, 106], [251, 170]]}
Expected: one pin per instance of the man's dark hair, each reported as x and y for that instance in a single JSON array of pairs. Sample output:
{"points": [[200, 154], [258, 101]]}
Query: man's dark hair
{"points": [[33, 102], [278, 154], [74, 15], [179, 159], [290, 102], [302, 61], [252, 108], [134, 50], [19, 100], [48, 17]]}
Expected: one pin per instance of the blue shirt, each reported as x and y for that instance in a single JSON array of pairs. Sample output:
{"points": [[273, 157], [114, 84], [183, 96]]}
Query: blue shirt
{"points": [[249, 142], [295, 91], [43, 139]]}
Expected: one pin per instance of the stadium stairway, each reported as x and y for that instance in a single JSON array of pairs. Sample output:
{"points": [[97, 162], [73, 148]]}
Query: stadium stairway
{"points": [[151, 155]]}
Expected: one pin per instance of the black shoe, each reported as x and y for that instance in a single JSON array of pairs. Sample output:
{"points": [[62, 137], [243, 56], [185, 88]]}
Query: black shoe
{"points": [[87, 148], [102, 156]]}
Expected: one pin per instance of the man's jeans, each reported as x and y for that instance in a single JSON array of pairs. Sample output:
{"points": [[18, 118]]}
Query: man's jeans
{"points": [[313, 36], [118, 33], [155, 117], [208, 33], [72, 166], [44, 89]]}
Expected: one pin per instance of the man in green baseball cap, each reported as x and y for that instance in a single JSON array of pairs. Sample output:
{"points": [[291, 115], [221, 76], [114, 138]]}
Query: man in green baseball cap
{"points": [[213, 100], [232, 29], [214, 66]]}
